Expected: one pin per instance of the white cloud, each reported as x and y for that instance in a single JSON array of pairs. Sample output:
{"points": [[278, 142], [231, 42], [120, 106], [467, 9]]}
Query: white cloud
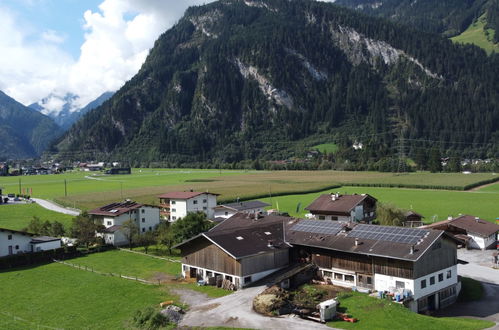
{"points": [[117, 40]]}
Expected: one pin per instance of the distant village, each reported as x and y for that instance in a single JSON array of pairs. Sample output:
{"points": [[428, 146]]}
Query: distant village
{"points": [[338, 243]]}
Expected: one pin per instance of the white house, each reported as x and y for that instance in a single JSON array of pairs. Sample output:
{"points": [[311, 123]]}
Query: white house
{"points": [[227, 210], [114, 215], [344, 208], [175, 205], [475, 233], [17, 242]]}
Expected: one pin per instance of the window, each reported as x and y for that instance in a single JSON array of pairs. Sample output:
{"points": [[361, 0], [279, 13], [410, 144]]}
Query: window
{"points": [[205, 208], [226, 213], [174, 210], [338, 276], [449, 274], [174, 218], [437, 245], [440, 277], [247, 279], [334, 218], [143, 230], [349, 278], [17, 247], [209, 274], [143, 211], [9, 237], [109, 223], [185, 268], [321, 217], [432, 280], [325, 273], [143, 219], [204, 201], [423, 284], [369, 280], [150, 228], [173, 202], [400, 285], [194, 202]]}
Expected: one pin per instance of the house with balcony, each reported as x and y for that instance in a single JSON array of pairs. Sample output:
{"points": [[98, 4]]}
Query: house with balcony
{"points": [[344, 208], [177, 204], [114, 215]]}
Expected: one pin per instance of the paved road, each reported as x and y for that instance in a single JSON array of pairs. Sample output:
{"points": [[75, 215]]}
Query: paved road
{"points": [[54, 207], [236, 311]]}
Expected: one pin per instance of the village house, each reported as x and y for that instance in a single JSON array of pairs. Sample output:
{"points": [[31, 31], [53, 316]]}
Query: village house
{"points": [[471, 231], [344, 208], [227, 210], [418, 264], [114, 215], [412, 219], [242, 249], [18, 242], [177, 204]]}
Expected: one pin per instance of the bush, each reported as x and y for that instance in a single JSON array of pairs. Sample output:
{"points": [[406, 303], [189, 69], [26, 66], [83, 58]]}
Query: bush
{"points": [[149, 318]]}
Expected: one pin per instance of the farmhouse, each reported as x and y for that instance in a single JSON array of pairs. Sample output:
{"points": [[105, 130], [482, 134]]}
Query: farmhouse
{"points": [[175, 205], [114, 215], [416, 263], [344, 208], [242, 249], [227, 210], [474, 232], [16, 242]]}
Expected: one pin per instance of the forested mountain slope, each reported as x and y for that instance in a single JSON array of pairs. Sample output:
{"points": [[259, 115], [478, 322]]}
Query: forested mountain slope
{"points": [[237, 80], [24, 132]]}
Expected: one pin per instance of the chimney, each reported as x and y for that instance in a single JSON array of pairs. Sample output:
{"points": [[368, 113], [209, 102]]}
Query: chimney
{"points": [[337, 195], [449, 217], [256, 215], [477, 219], [270, 244], [333, 197], [356, 242], [412, 249]]}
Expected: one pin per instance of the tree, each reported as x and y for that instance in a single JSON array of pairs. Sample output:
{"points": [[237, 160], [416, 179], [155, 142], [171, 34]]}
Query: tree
{"points": [[84, 229], [165, 236], [34, 226], [146, 239], [131, 231], [389, 215], [57, 229], [190, 225], [434, 161]]}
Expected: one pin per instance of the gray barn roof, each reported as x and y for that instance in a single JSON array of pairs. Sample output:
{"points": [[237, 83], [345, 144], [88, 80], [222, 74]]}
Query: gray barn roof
{"points": [[243, 206]]}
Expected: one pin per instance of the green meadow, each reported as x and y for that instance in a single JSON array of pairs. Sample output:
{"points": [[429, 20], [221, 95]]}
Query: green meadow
{"points": [[18, 216], [329, 148], [477, 34], [434, 205]]}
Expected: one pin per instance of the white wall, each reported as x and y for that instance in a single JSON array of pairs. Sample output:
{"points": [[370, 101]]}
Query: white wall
{"points": [[148, 218], [202, 203], [478, 242], [220, 212], [340, 282], [385, 282], [22, 241], [178, 209], [44, 246]]}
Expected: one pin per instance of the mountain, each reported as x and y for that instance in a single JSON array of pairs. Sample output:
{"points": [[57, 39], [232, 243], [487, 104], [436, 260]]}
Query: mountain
{"points": [[64, 110], [447, 17], [24, 132], [240, 80]]}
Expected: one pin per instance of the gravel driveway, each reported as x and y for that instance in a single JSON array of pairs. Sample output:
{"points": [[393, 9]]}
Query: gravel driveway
{"points": [[54, 207], [235, 310]]}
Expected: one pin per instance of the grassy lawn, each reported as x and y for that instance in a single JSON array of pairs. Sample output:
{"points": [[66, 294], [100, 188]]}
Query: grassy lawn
{"points": [[160, 251], [329, 148], [494, 188], [475, 34], [17, 216], [433, 204], [59, 296], [129, 264], [472, 290], [373, 313]]}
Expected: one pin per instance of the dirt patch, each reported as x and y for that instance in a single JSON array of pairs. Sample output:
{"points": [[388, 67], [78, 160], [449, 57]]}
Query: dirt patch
{"points": [[191, 297], [162, 278]]}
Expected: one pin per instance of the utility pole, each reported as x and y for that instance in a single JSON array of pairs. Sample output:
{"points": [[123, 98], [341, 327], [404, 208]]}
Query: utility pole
{"points": [[19, 186], [65, 188], [121, 185]]}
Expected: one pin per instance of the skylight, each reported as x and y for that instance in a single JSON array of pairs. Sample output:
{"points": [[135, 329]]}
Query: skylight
{"points": [[239, 238], [268, 233]]}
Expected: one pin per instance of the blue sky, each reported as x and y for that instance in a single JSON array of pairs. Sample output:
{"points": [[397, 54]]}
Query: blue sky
{"points": [[65, 17]]}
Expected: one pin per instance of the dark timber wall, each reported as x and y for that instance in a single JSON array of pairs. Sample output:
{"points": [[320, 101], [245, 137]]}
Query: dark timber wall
{"points": [[440, 255]]}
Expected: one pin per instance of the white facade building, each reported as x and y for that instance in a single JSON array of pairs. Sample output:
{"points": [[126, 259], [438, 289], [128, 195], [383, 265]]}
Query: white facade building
{"points": [[18, 242], [176, 205], [113, 216]]}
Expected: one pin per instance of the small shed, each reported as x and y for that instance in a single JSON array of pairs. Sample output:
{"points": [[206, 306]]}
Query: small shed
{"points": [[413, 219]]}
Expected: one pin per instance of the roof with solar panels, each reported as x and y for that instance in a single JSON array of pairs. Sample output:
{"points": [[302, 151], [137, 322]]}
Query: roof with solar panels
{"points": [[383, 241]]}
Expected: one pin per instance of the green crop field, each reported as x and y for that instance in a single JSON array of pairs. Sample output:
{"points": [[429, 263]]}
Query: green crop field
{"points": [[374, 313], [476, 34], [59, 296], [17, 216], [329, 148], [129, 264], [434, 205]]}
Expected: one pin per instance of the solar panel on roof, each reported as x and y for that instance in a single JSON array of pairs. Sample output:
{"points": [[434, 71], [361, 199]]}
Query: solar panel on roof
{"points": [[389, 234], [326, 227]]}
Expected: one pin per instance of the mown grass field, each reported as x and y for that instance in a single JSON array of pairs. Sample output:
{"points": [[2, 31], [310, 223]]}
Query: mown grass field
{"points": [[59, 296], [18, 216], [373, 314], [329, 148], [475, 34], [129, 264], [144, 186], [434, 205]]}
